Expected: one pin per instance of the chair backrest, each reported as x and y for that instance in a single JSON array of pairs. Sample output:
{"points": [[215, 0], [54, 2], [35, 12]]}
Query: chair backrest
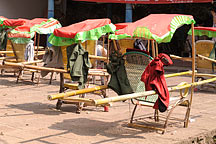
{"points": [[125, 44], [19, 51], [135, 64], [9, 48], [204, 47]]}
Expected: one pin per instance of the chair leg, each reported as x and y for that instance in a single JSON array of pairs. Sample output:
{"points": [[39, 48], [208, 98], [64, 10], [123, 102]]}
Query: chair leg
{"points": [[18, 77], [61, 83], [58, 104], [51, 77], [32, 78], [80, 104], [38, 78], [132, 116], [156, 115], [186, 121], [2, 72], [171, 110]]}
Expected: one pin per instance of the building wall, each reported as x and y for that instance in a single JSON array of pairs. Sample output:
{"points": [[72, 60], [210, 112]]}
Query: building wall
{"points": [[23, 8]]}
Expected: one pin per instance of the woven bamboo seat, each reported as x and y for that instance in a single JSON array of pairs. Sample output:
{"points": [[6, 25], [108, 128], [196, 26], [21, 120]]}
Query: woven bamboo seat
{"points": [[135, 64]]}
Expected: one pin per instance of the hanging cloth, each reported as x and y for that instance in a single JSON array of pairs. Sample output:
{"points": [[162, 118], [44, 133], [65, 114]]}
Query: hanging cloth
{"points": [[154, 79], [52, 58], [78, 64], [119, 81], [29, 51], [3, 39]]}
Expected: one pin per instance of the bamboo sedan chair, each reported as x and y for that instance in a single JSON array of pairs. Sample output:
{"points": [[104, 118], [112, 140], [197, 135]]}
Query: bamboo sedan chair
{"points": [[78, 33], [135, 64], [206, 56], [22, 36], [19, 53], [67, 84], [5, 26], [205, 49]]}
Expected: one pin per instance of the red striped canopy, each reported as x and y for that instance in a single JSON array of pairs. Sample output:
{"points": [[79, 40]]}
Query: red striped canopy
{"points": [[11, 22], [29, 24], [159, 27], [148, 1], [71, 30]]}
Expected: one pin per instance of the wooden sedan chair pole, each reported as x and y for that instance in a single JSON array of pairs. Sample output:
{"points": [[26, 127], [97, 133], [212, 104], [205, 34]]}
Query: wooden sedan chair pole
{"points": [[193, 73]]}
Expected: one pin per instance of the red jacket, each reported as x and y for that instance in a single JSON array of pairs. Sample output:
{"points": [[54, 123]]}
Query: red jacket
{"points": [[154, 79]]}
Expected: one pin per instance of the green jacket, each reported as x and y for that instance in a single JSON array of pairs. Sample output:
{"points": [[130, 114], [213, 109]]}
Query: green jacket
{"points": [[78, 64], [119, 81]]}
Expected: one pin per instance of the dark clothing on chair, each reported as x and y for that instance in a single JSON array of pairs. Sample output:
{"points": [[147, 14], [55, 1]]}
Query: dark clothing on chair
{"points": [[119, 81], [154, 79], [3, 39], [52, 58]]}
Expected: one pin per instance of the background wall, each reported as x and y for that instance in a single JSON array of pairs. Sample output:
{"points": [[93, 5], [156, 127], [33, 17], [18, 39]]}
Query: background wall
{"points": [[23, 8]]}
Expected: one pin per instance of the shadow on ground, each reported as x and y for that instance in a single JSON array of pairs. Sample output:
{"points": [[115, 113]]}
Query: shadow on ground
{"points": [[37, 108], [87, 127]]}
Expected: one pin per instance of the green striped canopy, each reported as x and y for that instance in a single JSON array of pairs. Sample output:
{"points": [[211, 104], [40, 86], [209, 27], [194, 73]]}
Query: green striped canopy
{"points": [[23, 34], [204, 31], [91, 29], [160, 27]]}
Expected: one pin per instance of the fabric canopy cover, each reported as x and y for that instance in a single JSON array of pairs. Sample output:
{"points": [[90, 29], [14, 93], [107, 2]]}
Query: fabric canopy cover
{"points": [[91, 29], [204, 31], [148, 1], [24, 33], [11, 23], [159, 27], [121, 25]]}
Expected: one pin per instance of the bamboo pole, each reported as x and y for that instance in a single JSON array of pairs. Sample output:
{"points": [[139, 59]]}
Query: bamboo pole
{"points": [[205, 75], [181, 58], [193, 74], [156, 48], [35, 40], [32, 62], [178, 74], [86, 44], [115, 45], [100, 70], [76, 92], [98, 57], [103, 42], [108, 47], [21, 65], [148, 46], [206, 58], [38, 40], [6, 58], [148, 93], [6, 52], [14, 52], [153, 49]]}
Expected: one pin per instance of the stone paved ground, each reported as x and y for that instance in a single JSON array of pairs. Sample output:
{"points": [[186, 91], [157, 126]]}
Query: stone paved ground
{"points": [[26, 116]]}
